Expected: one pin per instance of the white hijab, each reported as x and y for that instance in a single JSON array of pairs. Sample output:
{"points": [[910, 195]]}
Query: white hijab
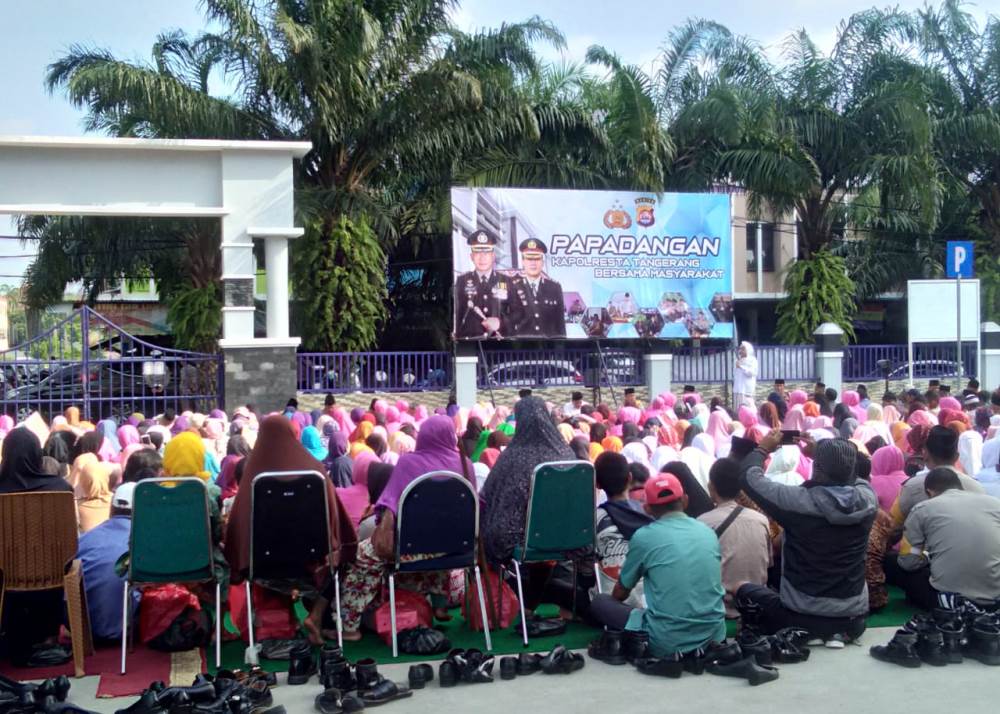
{"points": [[782, 468], [970, 451]]}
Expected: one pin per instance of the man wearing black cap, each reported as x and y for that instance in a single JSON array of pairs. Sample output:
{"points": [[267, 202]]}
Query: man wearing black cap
{"points": [[630, 400], [826, 524], [481, 295], [536, 308], [779, 388]]}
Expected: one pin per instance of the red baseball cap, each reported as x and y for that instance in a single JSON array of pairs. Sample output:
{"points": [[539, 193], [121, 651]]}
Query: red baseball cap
{"points": [[663, 488]]}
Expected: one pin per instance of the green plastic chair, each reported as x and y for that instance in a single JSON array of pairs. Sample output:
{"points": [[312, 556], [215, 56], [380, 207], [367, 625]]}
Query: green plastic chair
{"points": [[560, 518], [171, 542]]}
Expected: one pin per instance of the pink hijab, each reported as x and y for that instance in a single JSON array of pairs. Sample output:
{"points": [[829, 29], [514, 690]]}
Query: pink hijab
{"points": [[355, 497], [343, 421], [403, 406], [720, 429], [632, 414], [795, 419], [852, 400], [890, 415], [747, 416], [796, 397], [950, 403], [922, 417], [128, 435], [888, 475]]}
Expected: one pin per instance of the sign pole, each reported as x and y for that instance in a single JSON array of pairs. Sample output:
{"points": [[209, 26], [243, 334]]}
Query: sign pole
{"points": [[958, 330]]}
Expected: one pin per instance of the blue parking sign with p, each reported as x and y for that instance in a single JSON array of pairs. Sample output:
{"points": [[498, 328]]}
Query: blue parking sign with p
{"points": [[959, 263]]}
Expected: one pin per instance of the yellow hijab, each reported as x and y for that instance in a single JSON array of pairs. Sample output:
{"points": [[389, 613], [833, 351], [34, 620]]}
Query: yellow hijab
{"points": [[184, 455], [94, 506]]}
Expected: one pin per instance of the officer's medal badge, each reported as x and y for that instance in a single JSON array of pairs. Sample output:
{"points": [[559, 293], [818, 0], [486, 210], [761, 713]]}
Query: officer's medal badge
{"points": [[470, 287], [500, 290]]}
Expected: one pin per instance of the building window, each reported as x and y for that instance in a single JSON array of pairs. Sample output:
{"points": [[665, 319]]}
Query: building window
{"points": [[766, 247]]}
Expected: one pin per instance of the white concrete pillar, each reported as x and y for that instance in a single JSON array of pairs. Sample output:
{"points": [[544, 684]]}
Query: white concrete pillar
{"points": [[830, 355], [276, 281], [659, 373], [276, 276], [989, 377], [465, 380]]}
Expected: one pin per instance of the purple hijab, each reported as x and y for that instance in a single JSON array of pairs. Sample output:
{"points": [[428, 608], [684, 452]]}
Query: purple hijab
{"points": [[180, 424], [357, 413], [436, 450], [315, 414]]}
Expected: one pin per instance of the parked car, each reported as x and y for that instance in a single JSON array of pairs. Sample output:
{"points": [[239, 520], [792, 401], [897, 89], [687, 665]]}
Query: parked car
{"points": [[926, 369], [535, 373], [618, 368]]}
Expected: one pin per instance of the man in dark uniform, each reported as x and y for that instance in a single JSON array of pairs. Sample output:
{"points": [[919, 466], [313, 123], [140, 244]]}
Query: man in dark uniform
{"points": [[481, 295], [536, 308]]}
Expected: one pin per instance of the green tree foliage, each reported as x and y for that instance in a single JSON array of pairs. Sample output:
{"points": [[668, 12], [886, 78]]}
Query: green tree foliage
{"points": [[819, 290], [341, 284], [195, 317]]}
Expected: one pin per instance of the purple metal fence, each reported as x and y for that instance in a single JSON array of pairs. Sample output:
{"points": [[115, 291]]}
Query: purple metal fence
{"points": [[561, 367], [930, 360], [374, 371], [714, 365], [89, 362]]}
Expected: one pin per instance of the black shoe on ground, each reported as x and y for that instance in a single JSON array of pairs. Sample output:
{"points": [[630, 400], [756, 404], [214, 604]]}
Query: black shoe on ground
{"points": [[447, 674], [984, 641], [930, 647], [419, 675], [528, 663], [338, 675], [333, 701], [635, 645], [744, 668], [660, 666], [478, 667], [757, 645], [561, 661], [508, 668], [301, 664], [694, 661], [373, 688], [329, 656], [901, 650], [608, 648]]}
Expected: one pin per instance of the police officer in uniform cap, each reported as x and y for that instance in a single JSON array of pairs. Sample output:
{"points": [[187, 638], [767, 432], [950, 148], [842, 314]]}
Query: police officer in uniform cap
{"points": [[481, 295], [537, 308]]}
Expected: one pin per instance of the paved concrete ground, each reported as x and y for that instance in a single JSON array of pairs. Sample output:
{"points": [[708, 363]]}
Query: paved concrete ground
{"points": [[831, 682]]}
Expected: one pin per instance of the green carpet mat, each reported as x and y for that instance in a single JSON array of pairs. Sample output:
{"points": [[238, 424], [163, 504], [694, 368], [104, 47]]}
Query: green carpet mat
{"points": [[507, 641]]}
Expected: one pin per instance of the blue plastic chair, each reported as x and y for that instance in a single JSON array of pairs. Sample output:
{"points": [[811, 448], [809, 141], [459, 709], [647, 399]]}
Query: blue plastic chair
{"points": [[289, 533], [438, 515], [560, 518]]}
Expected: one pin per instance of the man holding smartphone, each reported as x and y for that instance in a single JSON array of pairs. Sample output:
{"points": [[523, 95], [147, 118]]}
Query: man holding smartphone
{"points": [[826, 523]]}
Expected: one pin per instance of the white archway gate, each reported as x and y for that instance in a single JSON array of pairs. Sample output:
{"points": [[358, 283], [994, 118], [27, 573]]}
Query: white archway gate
{"points": [[248, 185]]}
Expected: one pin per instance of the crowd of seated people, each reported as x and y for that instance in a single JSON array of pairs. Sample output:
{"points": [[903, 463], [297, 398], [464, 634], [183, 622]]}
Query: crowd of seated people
{"points": [[799, 511]]}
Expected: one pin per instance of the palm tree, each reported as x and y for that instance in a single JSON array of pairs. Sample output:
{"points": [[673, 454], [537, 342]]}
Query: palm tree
{"points": [[963, 77], [392, 97]]}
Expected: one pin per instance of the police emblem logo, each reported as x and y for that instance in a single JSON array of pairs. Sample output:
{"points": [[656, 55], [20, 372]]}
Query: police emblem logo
{"points": [[644, 214]]}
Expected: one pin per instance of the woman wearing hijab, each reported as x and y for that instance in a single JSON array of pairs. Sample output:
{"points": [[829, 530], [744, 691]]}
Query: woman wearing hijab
{"points": [[436, 450], [505, 498], [236, 450], [30, 618], [470, 439], [337, 462], [612, 443], [109, 430], [698, 499], [312, 443], [277, 449], [59, 446], [355, 497], [720, 428], [887, 475], [696, 455], [745, 376], [783, 467], [970, 451], [94, 507]]}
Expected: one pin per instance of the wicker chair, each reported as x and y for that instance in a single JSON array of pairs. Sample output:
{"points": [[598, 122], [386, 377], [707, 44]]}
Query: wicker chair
{"points": [[38, 543]]}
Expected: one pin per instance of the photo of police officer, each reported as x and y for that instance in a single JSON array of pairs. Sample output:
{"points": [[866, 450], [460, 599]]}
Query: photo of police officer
{"points": [[481, 295], [536, 305]]}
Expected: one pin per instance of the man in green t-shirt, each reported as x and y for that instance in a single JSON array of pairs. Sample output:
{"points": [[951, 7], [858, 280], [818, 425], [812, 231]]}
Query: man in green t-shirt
{"points": [[678, 559]]}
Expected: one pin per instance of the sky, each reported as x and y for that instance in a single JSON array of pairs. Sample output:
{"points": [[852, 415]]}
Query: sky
{"points": [[36, 32]]}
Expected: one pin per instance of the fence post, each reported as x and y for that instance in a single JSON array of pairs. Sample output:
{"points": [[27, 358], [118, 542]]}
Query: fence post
{"points": [[990, 372], [466, 370], [830, 355], [659, 373], [85, 360]]}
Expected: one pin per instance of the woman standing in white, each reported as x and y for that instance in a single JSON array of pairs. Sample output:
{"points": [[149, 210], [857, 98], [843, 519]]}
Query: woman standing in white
{"points": [[745, 376]]}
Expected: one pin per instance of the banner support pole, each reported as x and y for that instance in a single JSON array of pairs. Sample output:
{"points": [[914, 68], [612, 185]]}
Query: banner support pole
{"points": [[604, 373], [486, 367]]}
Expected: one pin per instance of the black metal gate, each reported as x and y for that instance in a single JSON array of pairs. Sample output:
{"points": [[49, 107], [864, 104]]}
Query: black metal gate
{"points": [[89, 362]]}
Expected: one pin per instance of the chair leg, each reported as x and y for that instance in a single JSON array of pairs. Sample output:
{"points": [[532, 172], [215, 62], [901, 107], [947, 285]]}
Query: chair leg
{"points": [[482, 610], [520, 601], [72, 585], [125, 613], [336, 596], [250, 615], [392, 613], [576, 573], [218, 625], [597, 575]]}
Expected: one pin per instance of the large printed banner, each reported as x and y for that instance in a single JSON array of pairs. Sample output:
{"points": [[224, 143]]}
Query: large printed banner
{"points": [[591, 264]]}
